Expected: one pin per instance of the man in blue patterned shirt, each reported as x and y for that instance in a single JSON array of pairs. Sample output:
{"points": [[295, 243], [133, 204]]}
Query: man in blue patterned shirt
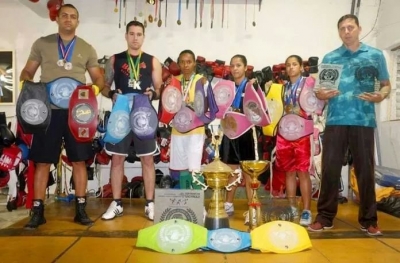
{"points": [[350, 124]]}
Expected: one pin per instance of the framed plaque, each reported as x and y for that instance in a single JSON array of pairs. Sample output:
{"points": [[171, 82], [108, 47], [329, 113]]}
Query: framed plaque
{"points": [[186, 204], [329, 76]]}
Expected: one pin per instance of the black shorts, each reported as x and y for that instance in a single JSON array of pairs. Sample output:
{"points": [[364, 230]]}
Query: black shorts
{"points": [[232, 151], [46, 146], [142, 147]]}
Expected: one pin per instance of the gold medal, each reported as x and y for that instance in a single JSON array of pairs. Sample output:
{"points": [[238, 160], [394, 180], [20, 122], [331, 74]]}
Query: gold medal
{"points": [[288, 108]]}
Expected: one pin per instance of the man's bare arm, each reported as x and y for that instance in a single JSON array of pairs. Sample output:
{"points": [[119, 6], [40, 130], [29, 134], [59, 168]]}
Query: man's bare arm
{"points": [[97, 77], [157, 78], [29, 70]]}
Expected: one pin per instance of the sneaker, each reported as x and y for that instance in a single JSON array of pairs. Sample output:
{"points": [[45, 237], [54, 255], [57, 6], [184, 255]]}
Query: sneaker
{"points": [[149, 210], [229, 209], [37, 217], [247, 217], [113, 210], [305, 219], [372, 230], [318, 227]]}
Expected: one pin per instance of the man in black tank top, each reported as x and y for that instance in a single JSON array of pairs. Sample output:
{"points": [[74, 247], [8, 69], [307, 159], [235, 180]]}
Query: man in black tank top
{"points": [[132, 71]]}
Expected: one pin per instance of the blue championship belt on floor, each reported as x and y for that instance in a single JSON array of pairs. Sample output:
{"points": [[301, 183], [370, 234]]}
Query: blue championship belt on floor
{"points": [[175, 236], [118, 122], [83, 114], [33, 108], [228, 240], [60, 91], [143, 118]]}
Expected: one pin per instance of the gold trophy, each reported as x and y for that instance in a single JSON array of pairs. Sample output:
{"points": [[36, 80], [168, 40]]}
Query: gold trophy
{"points": [[216, 176], [254, 169]]}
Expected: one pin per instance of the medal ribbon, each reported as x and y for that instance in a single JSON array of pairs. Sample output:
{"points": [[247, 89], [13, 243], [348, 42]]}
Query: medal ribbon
{"points": [[291, 92], [186, 88], [134, 66], [238, 95], [65, 52]]}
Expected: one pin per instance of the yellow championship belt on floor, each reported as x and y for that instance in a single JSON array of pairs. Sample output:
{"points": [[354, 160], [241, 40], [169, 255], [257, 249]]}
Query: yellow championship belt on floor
{"points": [[274, 98], [175, 236], [281, 237]]}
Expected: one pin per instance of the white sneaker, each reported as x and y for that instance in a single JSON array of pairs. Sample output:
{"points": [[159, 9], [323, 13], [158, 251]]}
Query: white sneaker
{"points": [[229, 209], [247, 217], [113, 211], [149, 210], [306, 218]]}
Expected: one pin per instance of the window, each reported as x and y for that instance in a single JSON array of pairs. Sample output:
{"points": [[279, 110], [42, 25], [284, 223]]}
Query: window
{"points": [[395, 94]]}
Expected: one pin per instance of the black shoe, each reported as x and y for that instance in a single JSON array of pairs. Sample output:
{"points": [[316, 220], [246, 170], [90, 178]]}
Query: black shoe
{"points": [[37, 217], [81, 216]]}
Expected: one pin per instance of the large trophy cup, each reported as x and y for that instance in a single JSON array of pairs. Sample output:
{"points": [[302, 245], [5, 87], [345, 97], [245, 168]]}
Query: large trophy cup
{"points": [[254, 168], [216, 176]]}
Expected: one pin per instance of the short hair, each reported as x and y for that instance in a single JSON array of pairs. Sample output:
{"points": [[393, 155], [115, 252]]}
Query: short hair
{"points": [[187, 51], [348, 16], [297, 57], [65, 6], [134, 23]]}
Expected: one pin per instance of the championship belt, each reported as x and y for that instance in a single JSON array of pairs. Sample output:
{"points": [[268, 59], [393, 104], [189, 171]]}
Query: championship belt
{"points": [[83, 114], [186, 120], [235, 124], [60, 91], [253, 107], [308, 101], [274, 100], [118, 123], [170, 102], [175, 236], [33, 107], [227, 240], [280, 237], [202, 103], [224, 93], [143, 118], [293, 127]]}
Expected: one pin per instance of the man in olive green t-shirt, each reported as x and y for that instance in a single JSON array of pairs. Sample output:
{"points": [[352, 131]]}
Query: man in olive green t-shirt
{"points": [[68, 56]]}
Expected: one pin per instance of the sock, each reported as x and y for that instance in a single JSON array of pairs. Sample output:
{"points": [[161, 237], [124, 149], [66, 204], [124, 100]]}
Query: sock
{"points": [[228, 203], [148, 202], [118, 201]]}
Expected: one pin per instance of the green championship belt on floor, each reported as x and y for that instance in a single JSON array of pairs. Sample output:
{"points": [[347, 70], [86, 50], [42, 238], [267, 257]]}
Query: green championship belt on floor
{"points": [[280, 237], [175, 236]]}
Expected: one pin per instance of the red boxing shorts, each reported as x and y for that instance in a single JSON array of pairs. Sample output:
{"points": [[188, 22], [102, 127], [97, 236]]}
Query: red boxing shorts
{"points": [[293, 155]]}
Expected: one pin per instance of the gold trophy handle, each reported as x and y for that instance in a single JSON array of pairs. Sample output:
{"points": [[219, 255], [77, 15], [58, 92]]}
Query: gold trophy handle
{"points": [[234, 183], [198, 182]]}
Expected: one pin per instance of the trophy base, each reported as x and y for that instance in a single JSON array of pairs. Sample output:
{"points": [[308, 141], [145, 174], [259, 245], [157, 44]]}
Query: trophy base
{"points": [[216, 223]]}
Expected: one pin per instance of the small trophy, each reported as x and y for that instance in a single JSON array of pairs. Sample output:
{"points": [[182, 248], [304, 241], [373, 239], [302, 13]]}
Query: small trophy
{"points": [[329, 76], [216, 176]]}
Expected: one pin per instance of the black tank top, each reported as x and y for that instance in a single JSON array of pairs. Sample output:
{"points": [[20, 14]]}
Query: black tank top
{"points": [[122, 73]]}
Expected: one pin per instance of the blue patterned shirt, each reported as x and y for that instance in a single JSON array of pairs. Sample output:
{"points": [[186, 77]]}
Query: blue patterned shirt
{"points": [[360, 70]]}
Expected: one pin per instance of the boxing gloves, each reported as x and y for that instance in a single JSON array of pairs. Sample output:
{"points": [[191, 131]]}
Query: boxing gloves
{"points": [[53, 6], [172, 66], [7, 138], [10, 158]]}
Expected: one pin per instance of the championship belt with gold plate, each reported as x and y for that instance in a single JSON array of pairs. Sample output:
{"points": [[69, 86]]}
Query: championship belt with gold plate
{"points": [[170, 102], [235, 124], [228, 240], [224, 93], [205, 107], [83, 114], [143, 118], [60, 91], [118, 126], [281, 237], [307, 99], [33, 107], [254, 106], [275, 104], [293, 127], [174, 236]]}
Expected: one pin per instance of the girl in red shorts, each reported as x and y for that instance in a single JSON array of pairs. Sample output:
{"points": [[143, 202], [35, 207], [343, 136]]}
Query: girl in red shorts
{"points": [[294, 157]]}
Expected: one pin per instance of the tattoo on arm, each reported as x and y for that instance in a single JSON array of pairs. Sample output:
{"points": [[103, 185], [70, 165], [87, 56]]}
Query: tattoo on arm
{"points": [[109, 72]]}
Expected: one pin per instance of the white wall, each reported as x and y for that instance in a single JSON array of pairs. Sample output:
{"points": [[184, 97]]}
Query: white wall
{"points": [[305, 27], [388, 37]]}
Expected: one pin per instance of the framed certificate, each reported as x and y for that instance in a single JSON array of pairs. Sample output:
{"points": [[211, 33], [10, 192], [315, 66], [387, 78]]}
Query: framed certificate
{"points": [[329, 76]]}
